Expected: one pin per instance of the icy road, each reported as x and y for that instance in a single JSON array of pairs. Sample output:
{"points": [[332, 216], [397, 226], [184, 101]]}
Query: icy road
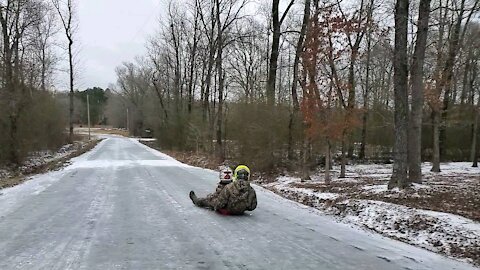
{"points": [[126, 206]]}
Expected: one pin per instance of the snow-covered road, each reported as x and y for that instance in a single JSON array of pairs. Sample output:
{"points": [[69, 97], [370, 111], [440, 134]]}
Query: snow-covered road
{"points": [[126, 206]]}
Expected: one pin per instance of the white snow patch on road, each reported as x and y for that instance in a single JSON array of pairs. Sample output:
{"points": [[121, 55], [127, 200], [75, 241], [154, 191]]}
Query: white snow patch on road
{"points": [[94, 164]]}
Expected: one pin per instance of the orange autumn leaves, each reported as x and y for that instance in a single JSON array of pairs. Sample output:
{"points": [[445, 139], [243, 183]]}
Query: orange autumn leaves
{"points": [[324, 110]]}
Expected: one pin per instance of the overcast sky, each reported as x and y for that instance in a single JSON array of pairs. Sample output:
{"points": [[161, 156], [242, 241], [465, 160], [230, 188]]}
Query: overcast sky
{"points": [[110, 32]]}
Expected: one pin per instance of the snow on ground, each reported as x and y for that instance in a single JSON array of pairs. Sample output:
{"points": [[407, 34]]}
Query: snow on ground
{"points": [[146, 139], [40, 158], [39, 161], [364, 200], [439, 232]]}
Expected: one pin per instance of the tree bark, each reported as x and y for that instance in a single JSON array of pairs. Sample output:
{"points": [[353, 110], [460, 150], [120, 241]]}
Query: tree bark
{"points": [[343, 163], [447, 76], [466, 72], [473, 151], [436, 141], [327, 163], [70, 60], [193, 55], [298, 51], [305, 169], [399, 175], [272, 71], [219, 64], [67, 26], [438, 89], [416, 85], [367, 90]]}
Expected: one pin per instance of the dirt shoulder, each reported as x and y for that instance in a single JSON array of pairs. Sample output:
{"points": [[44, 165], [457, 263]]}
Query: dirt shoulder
{"points": [[44, 162]]}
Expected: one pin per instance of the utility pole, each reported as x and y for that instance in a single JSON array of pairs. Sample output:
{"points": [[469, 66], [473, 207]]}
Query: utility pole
{"points": [[88, 116]]}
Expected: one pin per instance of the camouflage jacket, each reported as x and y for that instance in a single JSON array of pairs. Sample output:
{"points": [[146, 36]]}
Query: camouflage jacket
{"points": [[221, 185], [236, 198]]}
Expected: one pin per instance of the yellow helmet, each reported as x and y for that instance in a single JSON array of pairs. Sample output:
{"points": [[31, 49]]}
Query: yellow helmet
{"points": [[242, 172]]}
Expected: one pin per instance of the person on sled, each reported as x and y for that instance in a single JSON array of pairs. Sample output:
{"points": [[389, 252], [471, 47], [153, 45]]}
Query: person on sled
{"points": [[233, 198]]}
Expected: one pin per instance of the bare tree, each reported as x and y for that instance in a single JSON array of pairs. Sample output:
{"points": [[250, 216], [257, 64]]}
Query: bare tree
{"points": [[272, 71], [474, 149], [400, 165], [17, 18], [416, 85], [66, 13], [298, 51], [45, 31], [445, 72]]}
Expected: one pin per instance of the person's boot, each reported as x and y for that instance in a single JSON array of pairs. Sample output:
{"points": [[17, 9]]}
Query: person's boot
{"points": [[193, 197]]}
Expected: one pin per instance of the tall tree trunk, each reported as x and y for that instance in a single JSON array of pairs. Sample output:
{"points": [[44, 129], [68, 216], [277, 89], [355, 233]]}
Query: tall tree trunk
{"points": [[447, 75], [211, 59], [220, 150], [343, 163], [305, 167], [400, 165], [466, 72], [70, 60], [351, 99], [290, 154], [474, 149], [177, 73], [327, 163], [272, 70], [44, 70], [298, 51], [436, 141], [416, 85], [193, 55], [10, 81], [67, 26], [438, 89], [367, 90]]}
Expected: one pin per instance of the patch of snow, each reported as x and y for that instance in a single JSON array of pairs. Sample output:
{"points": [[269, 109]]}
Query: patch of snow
{"points": [[326, 195], [285, 180], [432, 230], [436, 231], [416, 186], [455, 220], [145, 139], [376, 188], [452, 168], [123, 163], [384, 171]]}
